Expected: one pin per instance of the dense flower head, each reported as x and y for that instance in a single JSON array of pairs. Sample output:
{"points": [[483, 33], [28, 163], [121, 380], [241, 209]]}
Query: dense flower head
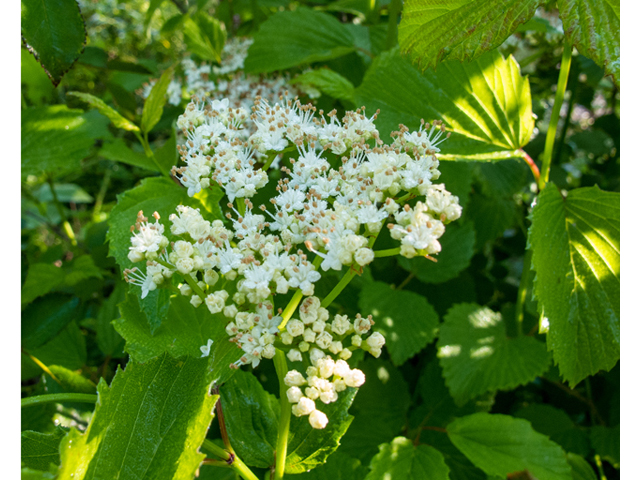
{"points": [[337, 187]]}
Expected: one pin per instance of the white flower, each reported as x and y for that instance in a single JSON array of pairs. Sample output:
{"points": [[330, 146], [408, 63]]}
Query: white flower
{"points": [[206, 349], [318, 419], [294, 355], [293, 378], [294, 394], [355, 378]]}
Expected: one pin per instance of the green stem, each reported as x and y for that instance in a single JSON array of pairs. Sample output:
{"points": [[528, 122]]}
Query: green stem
{"points": [[149, 153], [522, 290], [187, 278], [600, 469], [404, 198], [572, 86], [210, 447], [295, 300], [280, 362], [65, 223], [392, 29], [242, 207], [101, 194], [555, 114], [230, 460], [58, 398], [387, 253]]}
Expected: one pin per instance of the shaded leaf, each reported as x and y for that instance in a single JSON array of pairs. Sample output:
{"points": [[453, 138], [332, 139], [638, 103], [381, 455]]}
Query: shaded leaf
{"points": [[288, 39], [38, 450], [155, 102], [606, 443], [435, 30], [118, 151], [67, 349], [338, 467], [205, 36], [164, 405], [576, 256], [580, 468], [593, 26], [66, 193], [118, 120], [328, 82], [401, 458], [405, 319], [460, 468], [486, 104], [54, 31], [477, 357], [500, 444], [44, 319], [109, 341], [41, 279]]}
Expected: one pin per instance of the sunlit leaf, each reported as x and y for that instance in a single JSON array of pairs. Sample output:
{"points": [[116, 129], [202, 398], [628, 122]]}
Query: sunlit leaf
{"points": [[118, 120], [155, 102]]}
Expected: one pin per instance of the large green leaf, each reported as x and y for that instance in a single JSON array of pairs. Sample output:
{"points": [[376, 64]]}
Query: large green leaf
{"points": [[309, 447], [379, 410], [53, 30], [55, 139], [593, 26], [251, 416], [149, 424], [402, 459], [406, 320], [338, 467], [155, 102], [39, 450], [486, 104], [477, 357], [435, 30], [457, 250], [500, 445], [576, 256], [288, 39], [118, 120]]}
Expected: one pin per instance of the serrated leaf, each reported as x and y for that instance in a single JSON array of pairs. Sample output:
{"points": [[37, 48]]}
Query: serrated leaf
{"points": [[485, 104], [251, 417], [118, 151], [309, 447], [39, 450], [477, 357], [55, 139], [435, 30], [557, 425], [457, 250], [401, 458], [576, 256], [379, 410], [580, 468], [153, 105], [205, 36], [152, 195], [184, 330], [606, 443], [328, 82], [148, 424], [500, 445], [118, 120], [593, 27], [45, 318], [54, 31], [35, 83], [338, 467], [288, 39], [404, 318]]}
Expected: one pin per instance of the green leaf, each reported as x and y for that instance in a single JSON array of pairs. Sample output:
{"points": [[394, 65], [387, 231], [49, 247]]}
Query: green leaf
{"points": [[81, 269], [485, 104], [155, 102], [576, 256], [44, 319], [118, 120], [167, 155], [55, 139], [66, 193], [68, 381], [30, 474], [593, 27], [309, 447], [580, 468], [117, 151], [153, 194], [338, 467], [184, 330], [153, 6], [477, 357], [41, 279], [288, 39], [406, 319], [379, 410], [148, 424], [458, 178], [501, 179], [557, 425], [35, 84], [109, 341], [460, 466], [457, 250], [500, 444], [328, 82], [38, 450], [205, 36], [401, 458], [435, 30], [494, 216], [67, 349], [53, 30], [606, 443], [251, 417]]}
